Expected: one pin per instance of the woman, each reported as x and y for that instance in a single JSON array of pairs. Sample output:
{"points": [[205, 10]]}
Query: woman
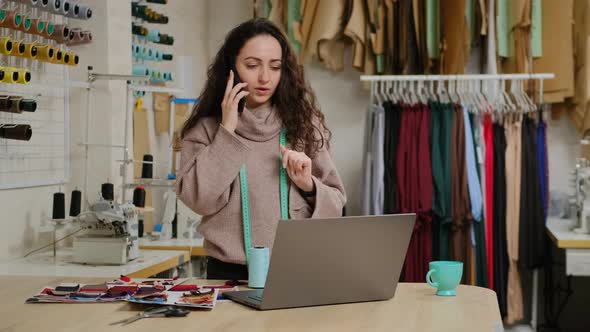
{"points": [[225, 151]]}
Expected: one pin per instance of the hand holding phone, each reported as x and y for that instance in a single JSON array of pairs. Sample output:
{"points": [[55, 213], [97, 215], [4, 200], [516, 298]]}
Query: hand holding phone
{"points": [[231, 100], [237, 81]]}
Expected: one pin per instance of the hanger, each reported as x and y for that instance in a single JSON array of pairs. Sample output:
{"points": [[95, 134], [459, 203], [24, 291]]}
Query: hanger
{"points": [[433, 96], [376, 94]]}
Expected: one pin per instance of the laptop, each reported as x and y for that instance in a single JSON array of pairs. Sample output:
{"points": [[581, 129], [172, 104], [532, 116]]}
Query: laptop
{"points": [[331, 261]]}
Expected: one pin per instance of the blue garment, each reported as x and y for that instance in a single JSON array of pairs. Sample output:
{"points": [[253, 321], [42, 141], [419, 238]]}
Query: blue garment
{"points": [[541, 150], [475, 194]]}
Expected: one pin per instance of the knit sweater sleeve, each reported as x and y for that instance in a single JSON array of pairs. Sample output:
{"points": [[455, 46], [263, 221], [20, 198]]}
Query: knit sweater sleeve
{"points": [[330, 194], [210, 160]]}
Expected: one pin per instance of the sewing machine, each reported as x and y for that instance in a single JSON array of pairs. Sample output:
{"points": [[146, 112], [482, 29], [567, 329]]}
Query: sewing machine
{"points": [[580, 202], [110, 236]]}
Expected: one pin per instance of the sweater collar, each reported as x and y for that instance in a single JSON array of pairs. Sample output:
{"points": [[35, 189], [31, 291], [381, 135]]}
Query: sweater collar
{"points": [[259, 124]]}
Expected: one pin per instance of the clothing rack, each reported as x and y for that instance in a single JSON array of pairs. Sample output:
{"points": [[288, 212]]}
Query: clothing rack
{"points": [[377, 80]]}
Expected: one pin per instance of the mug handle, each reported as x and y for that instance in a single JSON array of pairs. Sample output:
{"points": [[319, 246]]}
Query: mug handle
{"points": [[429, 280]]}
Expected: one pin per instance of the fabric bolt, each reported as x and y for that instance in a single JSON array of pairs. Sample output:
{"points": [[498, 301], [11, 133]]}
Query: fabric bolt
{"points": [[460, 205], [515, 309], [499, 224]]}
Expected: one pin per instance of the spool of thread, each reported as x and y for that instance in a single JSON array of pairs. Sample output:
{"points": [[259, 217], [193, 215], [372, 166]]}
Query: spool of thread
{"points": [[5, 45], [59, 206], [20, 132], [167, 76], [11, 104], [75, 36], [139, 30], [5, 104], [45, 52], [30, 51], [66, 7], [59, 57], [37, 26], [158, 55], [75, 203], [49, 30], [56, 6], [147, 166], [27, 24], [107, 191], [13, 20], [61, 33], [139, 196], [141, 70], [136, 50], [24, 76], [18, 48], [140, 227], [154, 35], [167, 57], [72, 59], [28, 105], [81, 11], [2, 16], [44, 4], [258, 266], [8, 76]]}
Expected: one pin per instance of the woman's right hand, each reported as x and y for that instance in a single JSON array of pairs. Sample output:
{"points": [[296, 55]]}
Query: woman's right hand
{"points": [[229, 105]]}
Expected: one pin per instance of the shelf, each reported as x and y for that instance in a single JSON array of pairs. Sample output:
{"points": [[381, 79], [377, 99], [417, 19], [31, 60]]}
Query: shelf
{"points": [[162, 183]]}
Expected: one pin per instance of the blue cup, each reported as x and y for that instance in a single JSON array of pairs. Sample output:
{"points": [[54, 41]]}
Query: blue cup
{"points": [[445, 276]]}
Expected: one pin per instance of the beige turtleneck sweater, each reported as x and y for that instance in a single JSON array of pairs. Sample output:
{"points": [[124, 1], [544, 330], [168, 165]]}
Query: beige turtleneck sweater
{"points": [[208, 182]]}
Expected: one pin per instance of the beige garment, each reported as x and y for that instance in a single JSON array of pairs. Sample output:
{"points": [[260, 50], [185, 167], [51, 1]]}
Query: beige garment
{"points": [[378, 37], [322, 32], [454, 36], [356, 30], [277, 13], [515, 309], [519, 37], [208, 182]]}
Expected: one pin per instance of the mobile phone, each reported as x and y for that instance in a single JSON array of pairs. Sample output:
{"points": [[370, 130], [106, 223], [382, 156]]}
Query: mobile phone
{"points": [[237, 81]]}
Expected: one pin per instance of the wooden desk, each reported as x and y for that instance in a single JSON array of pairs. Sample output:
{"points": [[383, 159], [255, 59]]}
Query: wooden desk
{"points": [[150, 262], [576, 246], [195, 246], [414, 308]]}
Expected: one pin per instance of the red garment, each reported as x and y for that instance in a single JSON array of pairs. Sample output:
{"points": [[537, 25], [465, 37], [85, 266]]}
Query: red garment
{"points": [[489, 196], [415, 181]]}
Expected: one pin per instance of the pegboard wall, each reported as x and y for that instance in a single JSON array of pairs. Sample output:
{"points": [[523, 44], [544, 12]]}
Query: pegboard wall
{"points": [[35, 59]]}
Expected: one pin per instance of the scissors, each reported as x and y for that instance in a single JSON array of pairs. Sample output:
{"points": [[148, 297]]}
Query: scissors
{"points": [[155, 312]]}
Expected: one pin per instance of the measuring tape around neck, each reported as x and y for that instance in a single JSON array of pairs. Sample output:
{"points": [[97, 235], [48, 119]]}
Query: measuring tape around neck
{"points": [[246, 201]]}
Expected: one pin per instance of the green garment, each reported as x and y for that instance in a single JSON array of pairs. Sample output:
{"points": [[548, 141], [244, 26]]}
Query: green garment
{"points": [[440, 147]]}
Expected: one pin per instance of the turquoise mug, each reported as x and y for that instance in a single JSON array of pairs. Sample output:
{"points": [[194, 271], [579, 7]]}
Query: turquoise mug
{"points": [[445, 276]]}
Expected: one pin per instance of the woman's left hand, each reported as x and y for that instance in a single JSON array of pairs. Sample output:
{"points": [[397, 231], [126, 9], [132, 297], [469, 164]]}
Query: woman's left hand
{"points": [[298, 167]]}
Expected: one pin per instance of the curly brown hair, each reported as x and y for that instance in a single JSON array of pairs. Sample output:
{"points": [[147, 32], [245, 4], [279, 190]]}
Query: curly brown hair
{"points": [[294, 99]]}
